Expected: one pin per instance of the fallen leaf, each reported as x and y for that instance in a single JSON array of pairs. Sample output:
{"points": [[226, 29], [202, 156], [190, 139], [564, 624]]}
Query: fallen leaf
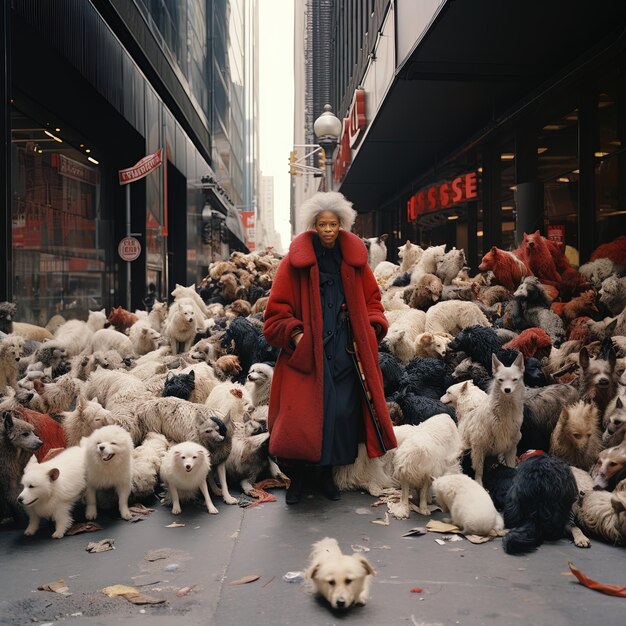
{"points": [[415, 532], [83, 527], [245, 580], [175, 525], [185, 591], [378, 503], [566, 574], [140, 509], [416, 590], [611, 590], [100, 546], [435, 526], [118, 590], [477, 538], [441, 542], [57, 586], [382, 522], [139, 598]]}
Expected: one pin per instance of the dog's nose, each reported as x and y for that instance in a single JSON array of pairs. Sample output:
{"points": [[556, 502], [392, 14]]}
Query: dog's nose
{"points": [[603, 382], [507, 390], [101, 448], [188, 466], [20, 499], [341, 603], [38, 443]]}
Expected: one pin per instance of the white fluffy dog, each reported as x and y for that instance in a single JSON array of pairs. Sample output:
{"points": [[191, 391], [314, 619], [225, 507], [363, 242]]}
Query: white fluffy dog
{"points": [[452, 316], [344, 580], [231, 398], [74, 337], [51, 489], [364, 473], [146, 464], [143, 337], [108, 463], [181, 325], [470, 506], [464, 397], [84, 419], [111, 339], [184, 470], [403, 333], [106, 385], [424, 452]]}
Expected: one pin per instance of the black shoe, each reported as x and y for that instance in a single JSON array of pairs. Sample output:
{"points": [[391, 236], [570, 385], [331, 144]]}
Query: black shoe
{"points": [[294, 493], [329, 489]]}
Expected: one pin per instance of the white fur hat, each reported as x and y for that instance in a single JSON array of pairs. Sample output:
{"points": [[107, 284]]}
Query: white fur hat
{"points": [[332, 201]]}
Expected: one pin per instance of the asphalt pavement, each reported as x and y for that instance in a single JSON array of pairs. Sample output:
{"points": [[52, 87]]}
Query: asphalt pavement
{"points": [[193, 568]]}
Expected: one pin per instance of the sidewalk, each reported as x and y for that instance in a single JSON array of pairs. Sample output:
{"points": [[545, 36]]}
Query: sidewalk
{"points": [[461, 583]]}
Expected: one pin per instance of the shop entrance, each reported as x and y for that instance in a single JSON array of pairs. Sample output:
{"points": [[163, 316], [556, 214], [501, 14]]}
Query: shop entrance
{"points": [[177, 227]]}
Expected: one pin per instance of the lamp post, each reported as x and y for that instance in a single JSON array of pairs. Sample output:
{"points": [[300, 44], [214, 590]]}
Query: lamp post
{"points": [[327, 128]]}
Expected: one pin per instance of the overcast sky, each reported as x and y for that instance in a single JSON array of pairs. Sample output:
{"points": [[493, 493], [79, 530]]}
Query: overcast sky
{"points": [[275, 51]]}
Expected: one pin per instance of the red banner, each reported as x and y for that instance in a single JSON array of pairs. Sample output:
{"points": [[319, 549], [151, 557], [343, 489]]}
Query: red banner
{"points": [[142, 168]]}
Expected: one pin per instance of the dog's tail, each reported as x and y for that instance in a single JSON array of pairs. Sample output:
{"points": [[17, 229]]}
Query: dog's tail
{"points": [[524, 538]]}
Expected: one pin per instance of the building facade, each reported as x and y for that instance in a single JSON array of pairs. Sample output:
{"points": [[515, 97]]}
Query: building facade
{"points": [[94, 87], [472, 123]]}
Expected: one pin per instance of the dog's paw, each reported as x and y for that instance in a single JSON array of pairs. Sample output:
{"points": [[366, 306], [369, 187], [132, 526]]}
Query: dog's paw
{"points": [[398, 510], [230, 500], [582, 542], [176, 509], [213, 510], [126, 514], [91, 513], [58, 534], [29, 532]]}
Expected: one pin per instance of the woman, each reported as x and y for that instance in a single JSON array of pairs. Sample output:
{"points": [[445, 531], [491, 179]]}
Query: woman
{"points": [[317, 412]]}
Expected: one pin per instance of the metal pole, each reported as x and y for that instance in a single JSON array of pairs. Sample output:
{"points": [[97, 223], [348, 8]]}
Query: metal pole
{"points": [[329, 149], [128, 235]]}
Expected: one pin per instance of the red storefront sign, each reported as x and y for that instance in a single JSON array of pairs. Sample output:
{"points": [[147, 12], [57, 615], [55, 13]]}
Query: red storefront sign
{"points": [[353, 127], [556, 233], [73, 169], [142, 168], [443, 195], [247, 218]]}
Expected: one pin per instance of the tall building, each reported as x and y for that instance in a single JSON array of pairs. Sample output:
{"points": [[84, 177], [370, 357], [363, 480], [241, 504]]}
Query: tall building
{"points": [[470, 123], [266, 228], [94, 86]]}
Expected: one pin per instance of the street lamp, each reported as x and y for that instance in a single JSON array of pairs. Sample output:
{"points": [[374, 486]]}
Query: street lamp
{"points": [[327, 129]]}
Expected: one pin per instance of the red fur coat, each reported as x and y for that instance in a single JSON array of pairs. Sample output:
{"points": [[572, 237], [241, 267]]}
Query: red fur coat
{"points": [[296, 410]]}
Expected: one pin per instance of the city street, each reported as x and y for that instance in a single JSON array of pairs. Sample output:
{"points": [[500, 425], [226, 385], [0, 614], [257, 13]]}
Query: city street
{"points": [[460, 583]]}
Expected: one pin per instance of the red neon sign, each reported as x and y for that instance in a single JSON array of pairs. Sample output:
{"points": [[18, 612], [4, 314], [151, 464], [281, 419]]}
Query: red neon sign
{"points": [[443, 195]]}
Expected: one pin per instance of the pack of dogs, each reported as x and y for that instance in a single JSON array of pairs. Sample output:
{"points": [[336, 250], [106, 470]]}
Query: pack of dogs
{"points": [[528, 354]]}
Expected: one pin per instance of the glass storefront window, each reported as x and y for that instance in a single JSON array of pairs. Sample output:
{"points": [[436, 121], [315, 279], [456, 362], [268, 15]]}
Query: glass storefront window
{"points": [[59, 233]]}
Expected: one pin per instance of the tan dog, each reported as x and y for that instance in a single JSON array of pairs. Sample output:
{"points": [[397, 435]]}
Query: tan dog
{"points": [[342, 579]]}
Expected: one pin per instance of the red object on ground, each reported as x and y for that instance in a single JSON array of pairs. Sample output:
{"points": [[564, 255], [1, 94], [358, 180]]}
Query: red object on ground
{"points": [[416, 590], [610, 590]]}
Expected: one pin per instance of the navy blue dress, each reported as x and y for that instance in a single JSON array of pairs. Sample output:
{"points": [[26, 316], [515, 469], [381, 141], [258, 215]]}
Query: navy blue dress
{"points": [[342, 405]]}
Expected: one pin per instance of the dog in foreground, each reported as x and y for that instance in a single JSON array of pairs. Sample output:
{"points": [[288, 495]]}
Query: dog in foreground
{"points": [[343, 580]]}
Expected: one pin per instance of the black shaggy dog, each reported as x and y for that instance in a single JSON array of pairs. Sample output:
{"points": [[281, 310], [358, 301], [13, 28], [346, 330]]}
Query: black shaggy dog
{"points": [[417, 409], [427, 377], [539, 503], [247, 341], [180, 385], [479, 343], [392, 371], [470, 370], [497, 480]]}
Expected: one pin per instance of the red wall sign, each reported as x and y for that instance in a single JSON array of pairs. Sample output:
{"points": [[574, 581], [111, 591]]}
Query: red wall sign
{"points": [[142, 168], [353, 127], [443, 195]]}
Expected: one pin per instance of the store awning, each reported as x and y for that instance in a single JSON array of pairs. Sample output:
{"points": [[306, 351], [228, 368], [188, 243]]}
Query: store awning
{"points": [[477, 61]]}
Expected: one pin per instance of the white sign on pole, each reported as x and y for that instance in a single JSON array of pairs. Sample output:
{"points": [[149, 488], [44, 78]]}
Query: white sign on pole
{"points": [[129, 249]]}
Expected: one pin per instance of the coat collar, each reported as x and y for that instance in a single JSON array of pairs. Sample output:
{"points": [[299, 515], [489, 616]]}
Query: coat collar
{"points": [[302, 253]]}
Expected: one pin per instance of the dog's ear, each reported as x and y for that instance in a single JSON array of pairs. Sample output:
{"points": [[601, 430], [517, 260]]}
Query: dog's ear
{"points": [[383, 237], [612, 359], [617, 504], [463, 388], [176, 452], [8, 420], [53, 474], [495, 362], [564, 414], [519, 361], [369, 570], [583, 358], [192, 375], [610, 327], [618, 403], [313, 570]]}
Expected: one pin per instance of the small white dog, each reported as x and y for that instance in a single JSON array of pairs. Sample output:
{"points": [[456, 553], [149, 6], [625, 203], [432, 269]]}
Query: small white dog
{"points": [[108, 463], [184, 470], [51, 488], [470, 506], [344, 580]]}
